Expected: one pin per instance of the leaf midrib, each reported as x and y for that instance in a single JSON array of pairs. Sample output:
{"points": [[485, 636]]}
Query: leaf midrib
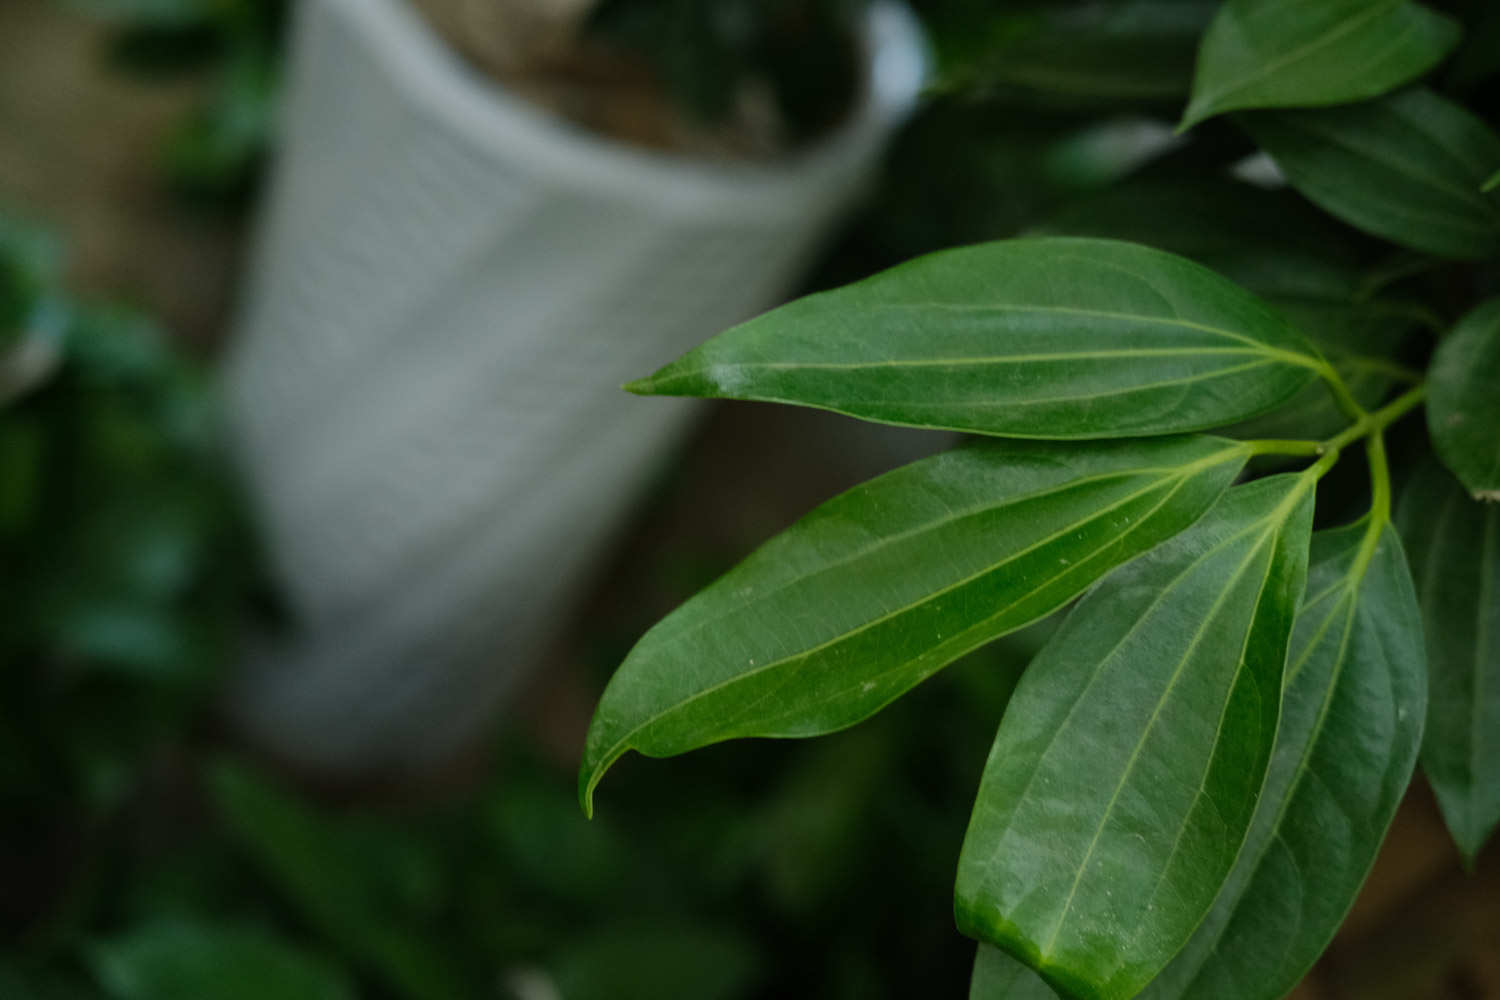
{"points": [[623, 743], [1166, 694], [1272, 66], [1381, 153], [1343, 585], [963, 636], [954, 516]]}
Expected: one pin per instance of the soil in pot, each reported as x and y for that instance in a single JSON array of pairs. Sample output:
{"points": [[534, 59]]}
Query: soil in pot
{"points": [[712, 79]]}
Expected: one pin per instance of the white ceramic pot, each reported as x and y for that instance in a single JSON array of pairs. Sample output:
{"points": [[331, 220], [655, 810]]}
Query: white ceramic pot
{"points": [[448, 289]]}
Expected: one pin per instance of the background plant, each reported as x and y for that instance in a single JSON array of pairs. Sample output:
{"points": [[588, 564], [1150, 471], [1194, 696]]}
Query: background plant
{"points": [[1196, 771]]}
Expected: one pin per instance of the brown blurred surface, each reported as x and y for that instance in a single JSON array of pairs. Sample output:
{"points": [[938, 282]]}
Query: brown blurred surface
{"points": [[79, 149]]}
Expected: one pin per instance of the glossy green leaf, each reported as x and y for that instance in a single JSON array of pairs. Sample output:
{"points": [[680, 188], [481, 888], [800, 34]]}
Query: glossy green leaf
{"points": [[1126, 769], [1463, 409], [998, 976], [1351, 726], [1036, 338], [183, 961], [880, 587], [1312, 53], [1408, 168], [1278, 246], [1455, 556], [1362, 340]]}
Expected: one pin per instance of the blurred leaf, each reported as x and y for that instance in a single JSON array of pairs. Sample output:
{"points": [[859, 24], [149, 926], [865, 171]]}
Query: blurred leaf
{"points": [[162, 13], [1407, 168], [881, 587], [1112, 807], [17, 982], [550, 845], [1271, 242], [217, 152], [997, 976], [1352, 713], [1043, 337], [1463, 409], [648, 963], [1072, 53], [1455, 557], [309, 862], [1311, 53], [182, 961], [21, 457], [1478, 58], [813, 822]]}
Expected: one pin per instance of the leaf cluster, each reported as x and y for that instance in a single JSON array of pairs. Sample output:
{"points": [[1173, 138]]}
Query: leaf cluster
{"points": [[124, 560], [1195, 773]]}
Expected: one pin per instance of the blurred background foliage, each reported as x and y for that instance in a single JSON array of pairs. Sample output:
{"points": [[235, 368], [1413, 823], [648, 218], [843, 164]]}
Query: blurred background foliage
{"points": [[143, 856]]}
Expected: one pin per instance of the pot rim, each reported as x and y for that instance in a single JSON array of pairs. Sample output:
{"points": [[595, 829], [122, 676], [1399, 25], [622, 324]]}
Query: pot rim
{"points": [[509, 127]]}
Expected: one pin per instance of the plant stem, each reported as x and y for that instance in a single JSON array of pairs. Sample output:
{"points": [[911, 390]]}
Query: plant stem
{"points": [[1372, 423], [1380, 503], [1341, 394], [1365, 423]]}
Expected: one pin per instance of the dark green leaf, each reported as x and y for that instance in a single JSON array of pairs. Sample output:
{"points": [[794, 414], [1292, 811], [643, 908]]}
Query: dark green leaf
{"points": [[1463, 411], [1455, 556], [181, 961], [997, 976], [1036, 338], [1408, 168], [879, 588], [1280, 247], [1272, 242], [1311, 53], [647, 963], [1074, 53], [1126, 769], [1351, 725], [306, 858]]}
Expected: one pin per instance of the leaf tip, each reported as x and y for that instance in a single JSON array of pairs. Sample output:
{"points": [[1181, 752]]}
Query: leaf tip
{"points": [[590, 774], [1193, 115]]}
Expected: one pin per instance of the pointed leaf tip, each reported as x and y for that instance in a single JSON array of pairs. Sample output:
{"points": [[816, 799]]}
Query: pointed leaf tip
{"points": [[1040, 337]]}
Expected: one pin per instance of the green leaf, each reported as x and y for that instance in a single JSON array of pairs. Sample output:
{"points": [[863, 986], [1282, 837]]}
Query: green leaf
{"points": [[1491, 183], [1463, 410], [997, 976], [1408, 168], [1035, 338], [1455, 556], [183, 961], [1127, 767], [634, 962], [1312, 53], [880, 587], [1272, 242], [1280, 247], [1351, 726], [308, 860], [1074, 54], [1361, 340]]}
